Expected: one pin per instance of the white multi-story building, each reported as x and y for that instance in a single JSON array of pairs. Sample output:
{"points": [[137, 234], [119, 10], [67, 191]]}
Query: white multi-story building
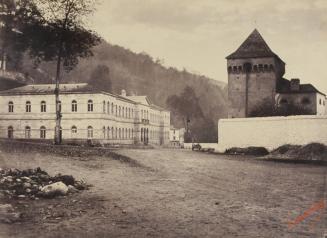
{"points": [[176, 136], [28, 112]]}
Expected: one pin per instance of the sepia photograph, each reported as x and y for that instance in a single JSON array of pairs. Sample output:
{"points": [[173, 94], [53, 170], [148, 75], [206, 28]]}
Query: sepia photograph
{"points": [[163, 118]]}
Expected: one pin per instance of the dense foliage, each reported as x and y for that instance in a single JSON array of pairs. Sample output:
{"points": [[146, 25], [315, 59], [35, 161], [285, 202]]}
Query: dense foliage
{"points": [[268, 109]]}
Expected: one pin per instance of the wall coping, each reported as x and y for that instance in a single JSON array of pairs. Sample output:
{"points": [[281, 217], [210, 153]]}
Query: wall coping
{"points": [[279, 118]]}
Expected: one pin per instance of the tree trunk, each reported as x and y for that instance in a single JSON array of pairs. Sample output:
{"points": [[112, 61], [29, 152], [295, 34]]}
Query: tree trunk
{"points": [[57, 138]]}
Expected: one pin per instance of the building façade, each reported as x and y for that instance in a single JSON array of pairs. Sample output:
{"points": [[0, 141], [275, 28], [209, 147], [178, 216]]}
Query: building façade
{"points": [[28, 112], [255, 77]]}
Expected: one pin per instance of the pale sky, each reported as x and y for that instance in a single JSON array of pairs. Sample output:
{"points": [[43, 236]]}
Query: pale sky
{"points": [[199, 34]]}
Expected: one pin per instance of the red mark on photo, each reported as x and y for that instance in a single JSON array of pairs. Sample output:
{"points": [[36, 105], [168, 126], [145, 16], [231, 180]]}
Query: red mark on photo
{"points": [[318, 206]]}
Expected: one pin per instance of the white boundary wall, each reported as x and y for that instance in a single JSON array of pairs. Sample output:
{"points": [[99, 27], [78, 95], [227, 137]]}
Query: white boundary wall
{"points": [[271, 132]]}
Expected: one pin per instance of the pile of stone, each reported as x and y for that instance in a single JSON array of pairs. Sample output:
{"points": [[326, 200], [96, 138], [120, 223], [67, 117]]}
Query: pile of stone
{"points": [[35, 183]]}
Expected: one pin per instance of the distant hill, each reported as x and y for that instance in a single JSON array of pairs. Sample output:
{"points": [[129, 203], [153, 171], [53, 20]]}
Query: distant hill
{"points": [[138, 74]]}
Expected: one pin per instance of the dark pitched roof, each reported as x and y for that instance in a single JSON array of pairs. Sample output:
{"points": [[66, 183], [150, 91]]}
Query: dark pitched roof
{"points": [[304, 88], [253, 47], [49, 89]]}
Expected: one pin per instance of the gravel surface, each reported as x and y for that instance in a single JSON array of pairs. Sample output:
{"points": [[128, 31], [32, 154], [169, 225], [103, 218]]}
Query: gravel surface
{"points": [[174, 193]]}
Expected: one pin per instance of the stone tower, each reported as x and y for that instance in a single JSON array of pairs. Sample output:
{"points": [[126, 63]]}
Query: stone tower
{"points": [[254, 72]]}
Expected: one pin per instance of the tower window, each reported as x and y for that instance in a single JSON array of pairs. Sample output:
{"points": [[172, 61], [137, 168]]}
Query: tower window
{"points": [[271, 67], [229, 69], [260, 67], [234, 69], [255, 68], [265, 67]]}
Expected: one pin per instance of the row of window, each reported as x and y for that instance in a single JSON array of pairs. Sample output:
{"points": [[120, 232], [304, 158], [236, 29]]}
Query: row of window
{"points": [[107, 108], [304, 101], [120, 111], [109, 133], [117, 110], [252, 68]]}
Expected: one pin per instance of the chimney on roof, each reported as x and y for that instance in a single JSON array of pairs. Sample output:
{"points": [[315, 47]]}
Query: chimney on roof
{"points": [[295, 84], [123, 93]]}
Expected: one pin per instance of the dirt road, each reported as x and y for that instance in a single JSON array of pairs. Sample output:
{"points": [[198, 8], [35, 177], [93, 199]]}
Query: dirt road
{"points": [[174, 193]]}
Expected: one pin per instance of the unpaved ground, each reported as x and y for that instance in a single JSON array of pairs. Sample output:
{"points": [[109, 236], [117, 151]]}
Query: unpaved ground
{"points": [[175, 194]]}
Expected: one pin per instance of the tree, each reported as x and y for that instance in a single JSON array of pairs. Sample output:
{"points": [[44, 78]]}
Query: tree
{"points": [[269, 109], [64, 38], [17, 19], [187, 106], [100, 78]]}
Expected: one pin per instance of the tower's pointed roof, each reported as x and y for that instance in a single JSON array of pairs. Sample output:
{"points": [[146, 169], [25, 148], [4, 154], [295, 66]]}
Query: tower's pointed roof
{"points": [[253, 47]]}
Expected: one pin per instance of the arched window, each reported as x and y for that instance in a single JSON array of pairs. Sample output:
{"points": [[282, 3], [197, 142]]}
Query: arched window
{"points": [[260, 67], [234, 69], [108, 107], [112, 108], [265, 67], [142, 134], [108, 132], [112, 133], [239, 69], [104, 132], [74, 130], [43, 106], [255, 68], [132, 113], [129, 133], [305, 101], [119, 133], [132, 133], [229, 69], [119, 110], [89, 132], [28, 106], [123, 111], [320, 101], [43, 132], [27, 132], [74, 106], [59, 106], [129, 113], [104, 106], [271, 67], [116, 133], [10, 107], [90, 106], [126, 112], [126, 133], [10, 132]]}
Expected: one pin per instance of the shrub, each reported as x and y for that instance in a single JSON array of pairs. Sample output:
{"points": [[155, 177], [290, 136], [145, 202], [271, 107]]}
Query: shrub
{"points": [[268, 109], [252, 150]]}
